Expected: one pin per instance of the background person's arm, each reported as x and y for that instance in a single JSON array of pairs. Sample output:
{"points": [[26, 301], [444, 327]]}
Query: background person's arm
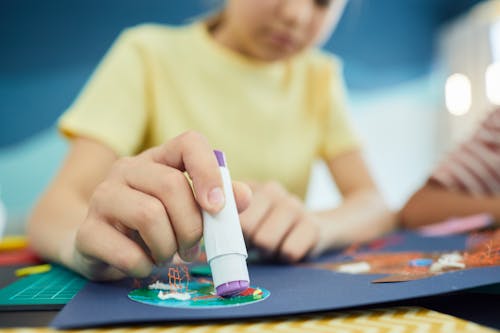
{"points": [[433, 203]]}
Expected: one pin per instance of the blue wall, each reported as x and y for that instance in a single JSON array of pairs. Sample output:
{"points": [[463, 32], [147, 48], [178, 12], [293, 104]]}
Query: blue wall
{"points": [[50, 47]]}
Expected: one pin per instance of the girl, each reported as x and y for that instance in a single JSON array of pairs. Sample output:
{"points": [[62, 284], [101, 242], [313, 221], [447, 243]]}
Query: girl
{"points": [[249, 82]]}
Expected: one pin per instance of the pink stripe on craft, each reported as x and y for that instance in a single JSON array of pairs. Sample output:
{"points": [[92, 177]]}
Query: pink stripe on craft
{"points": [[457, 225]]}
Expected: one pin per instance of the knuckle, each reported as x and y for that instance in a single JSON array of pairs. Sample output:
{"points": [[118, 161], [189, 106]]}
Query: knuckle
{"points": [[294, 250], [122, 164], [291, 253], [274, 188], [294, 203], [192, 136], [173, 181], [128, 261], [83, 235], [192, 234], [167, 252], [148, 212], [263, 241], [102, 190]]}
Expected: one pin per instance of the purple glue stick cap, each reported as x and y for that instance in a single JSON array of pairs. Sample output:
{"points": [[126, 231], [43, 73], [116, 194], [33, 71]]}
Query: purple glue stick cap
{"points": [[232, 288], [221, 159]]}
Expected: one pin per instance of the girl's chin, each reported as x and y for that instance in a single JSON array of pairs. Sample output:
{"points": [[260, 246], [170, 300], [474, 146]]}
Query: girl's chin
{"points": [[275, 55]]}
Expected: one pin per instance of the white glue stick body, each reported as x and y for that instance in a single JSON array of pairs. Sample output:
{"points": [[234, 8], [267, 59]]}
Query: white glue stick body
{"points": [[224, 243]]}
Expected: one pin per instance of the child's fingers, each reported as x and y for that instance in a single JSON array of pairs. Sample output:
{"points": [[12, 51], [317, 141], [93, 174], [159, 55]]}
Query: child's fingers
{"points": [[170, 187], [258, 208], [140, 211], [99, 240], [191, 152], [277, 224], [242, 195], [299, 242], [190, 254]]}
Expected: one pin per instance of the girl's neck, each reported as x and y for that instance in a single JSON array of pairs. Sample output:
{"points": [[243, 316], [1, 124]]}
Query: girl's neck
{"points": [[217, 27]]}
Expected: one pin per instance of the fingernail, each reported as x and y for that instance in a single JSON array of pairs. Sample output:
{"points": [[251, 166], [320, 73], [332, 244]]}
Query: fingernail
{"points": [[216, 197]]}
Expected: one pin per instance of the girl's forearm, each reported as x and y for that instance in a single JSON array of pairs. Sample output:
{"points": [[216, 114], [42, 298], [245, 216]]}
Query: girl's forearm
{"points": [[433, 204], [361, 217], [53, 224]]}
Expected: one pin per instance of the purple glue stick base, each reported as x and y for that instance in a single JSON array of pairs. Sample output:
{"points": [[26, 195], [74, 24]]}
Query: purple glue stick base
{"points": [[231, 288]]}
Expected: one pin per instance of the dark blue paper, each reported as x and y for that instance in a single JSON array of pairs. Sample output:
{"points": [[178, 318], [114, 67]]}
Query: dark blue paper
{"points": [[293, 290]]}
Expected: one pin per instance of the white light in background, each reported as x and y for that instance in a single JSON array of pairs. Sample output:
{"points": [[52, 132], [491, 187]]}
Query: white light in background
{"points": [[458, 96], [493, 83]]}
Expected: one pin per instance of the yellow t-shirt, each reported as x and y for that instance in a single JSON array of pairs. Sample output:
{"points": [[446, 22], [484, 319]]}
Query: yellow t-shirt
{"points": [[271, 120]]}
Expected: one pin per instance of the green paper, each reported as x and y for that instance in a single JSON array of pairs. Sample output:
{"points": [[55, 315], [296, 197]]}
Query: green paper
{"points": [[201, 270], [57, 286]]}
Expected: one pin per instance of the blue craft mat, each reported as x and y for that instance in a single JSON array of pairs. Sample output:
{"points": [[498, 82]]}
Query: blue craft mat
{"points": [[293, 290]]}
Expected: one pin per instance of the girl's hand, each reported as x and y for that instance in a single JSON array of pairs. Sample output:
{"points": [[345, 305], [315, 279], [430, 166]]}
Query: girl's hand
{"points": [[145, 211], [278, 224]]}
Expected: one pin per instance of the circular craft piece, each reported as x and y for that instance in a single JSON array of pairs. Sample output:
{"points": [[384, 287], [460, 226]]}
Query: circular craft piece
{"points": [[199, 293]]}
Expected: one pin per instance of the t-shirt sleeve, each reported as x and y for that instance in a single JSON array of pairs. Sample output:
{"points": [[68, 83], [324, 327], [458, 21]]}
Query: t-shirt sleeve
{"points": [[473, 167], [112, 106], [339, 136]]}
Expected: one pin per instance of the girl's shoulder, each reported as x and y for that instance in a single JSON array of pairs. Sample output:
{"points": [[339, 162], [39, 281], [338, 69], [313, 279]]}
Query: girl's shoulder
{"points": [[157, 34], [322, 60]]}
